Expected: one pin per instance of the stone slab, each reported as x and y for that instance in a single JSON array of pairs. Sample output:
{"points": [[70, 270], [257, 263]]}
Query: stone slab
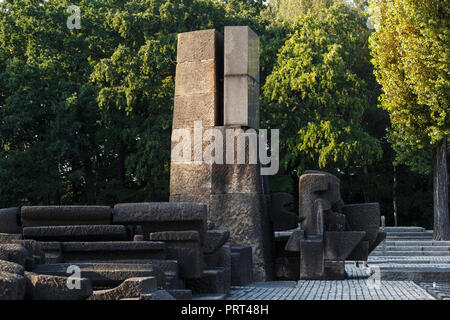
{"points": [[241, 265], [340, 244], [199, 45], [215, 239], [212, 281], [12, 286], [11, 267], [311, 259], [113, 250], [130, 288], [77, 233], [105, 274], [198, 77], [36, 216]]}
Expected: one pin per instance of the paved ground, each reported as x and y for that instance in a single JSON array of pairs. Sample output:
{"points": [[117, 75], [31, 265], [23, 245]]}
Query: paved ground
{"points": [[333, 290], [439, 290], [357, 287]]}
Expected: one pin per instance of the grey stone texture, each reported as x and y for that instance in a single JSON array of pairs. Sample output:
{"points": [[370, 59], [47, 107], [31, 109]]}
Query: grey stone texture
{"points": [[49, 287], [12, 286], [37, 216], [183, 246], [211, 281], [162, 216], [130, 288], [215, 239], [112, 250], [241, 265], [9, 220], [241, 77], [293, 244], [15, 253], [106, 274], [181, 294], [11, 267], [77, 233], [157, 295]]}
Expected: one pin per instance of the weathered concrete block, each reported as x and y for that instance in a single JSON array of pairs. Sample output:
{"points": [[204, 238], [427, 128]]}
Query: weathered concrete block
{"points": [[112, 250], [311, 259], [293, 244], [281, 211], [11, 267], [193, 78], [364, 217], [200, 107], [130, 288], [12, 286], [221, 259], [48, 287], [215, 239], [212, 281], [65, 215], [190, 178], [162, 216], [241, 101], [339, 244], [10, 220], [246, 217], [105, 274], [236, 178], [199, 45], [15, 253], [204, 199], [241, 52], [77, 233], [183, 246], [241, 265]]}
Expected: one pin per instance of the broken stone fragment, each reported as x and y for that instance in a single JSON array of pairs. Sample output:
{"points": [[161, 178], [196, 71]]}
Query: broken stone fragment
{"points": [[12, 286], [14, 253], [11, 267], [130, 288], [106, 274], [48, 287], [215, 239]]}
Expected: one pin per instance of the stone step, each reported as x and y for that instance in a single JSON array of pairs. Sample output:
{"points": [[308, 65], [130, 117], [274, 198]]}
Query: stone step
{"points": [[417, 274], [403, 229], [411, 253], [212, 296], [409, 234], [112, 250], [412, 248], [77, 233], [417, 243]]}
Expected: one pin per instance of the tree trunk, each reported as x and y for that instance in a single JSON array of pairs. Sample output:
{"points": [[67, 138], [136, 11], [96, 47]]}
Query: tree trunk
{"points": [[394, 196], [440, 192], [150, 192], [90, 188]]}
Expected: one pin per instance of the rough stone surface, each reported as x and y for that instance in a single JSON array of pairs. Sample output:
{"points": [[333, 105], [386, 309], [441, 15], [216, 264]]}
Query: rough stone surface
{"points": [[12, 286], [9, 220], [9, 237], [130, 288], [245, 215], [214, 240], [162, 216], [14, 253], [112, 250], [183, 246], [364, 217], [77, 233], [106, 274], [339, 244], [221, 259], [11, 267], [65, 215], [48, 287]]}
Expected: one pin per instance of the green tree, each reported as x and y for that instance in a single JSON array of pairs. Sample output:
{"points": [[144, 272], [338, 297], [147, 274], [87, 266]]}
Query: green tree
{"points": [[317, 95], [410, 55]]}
